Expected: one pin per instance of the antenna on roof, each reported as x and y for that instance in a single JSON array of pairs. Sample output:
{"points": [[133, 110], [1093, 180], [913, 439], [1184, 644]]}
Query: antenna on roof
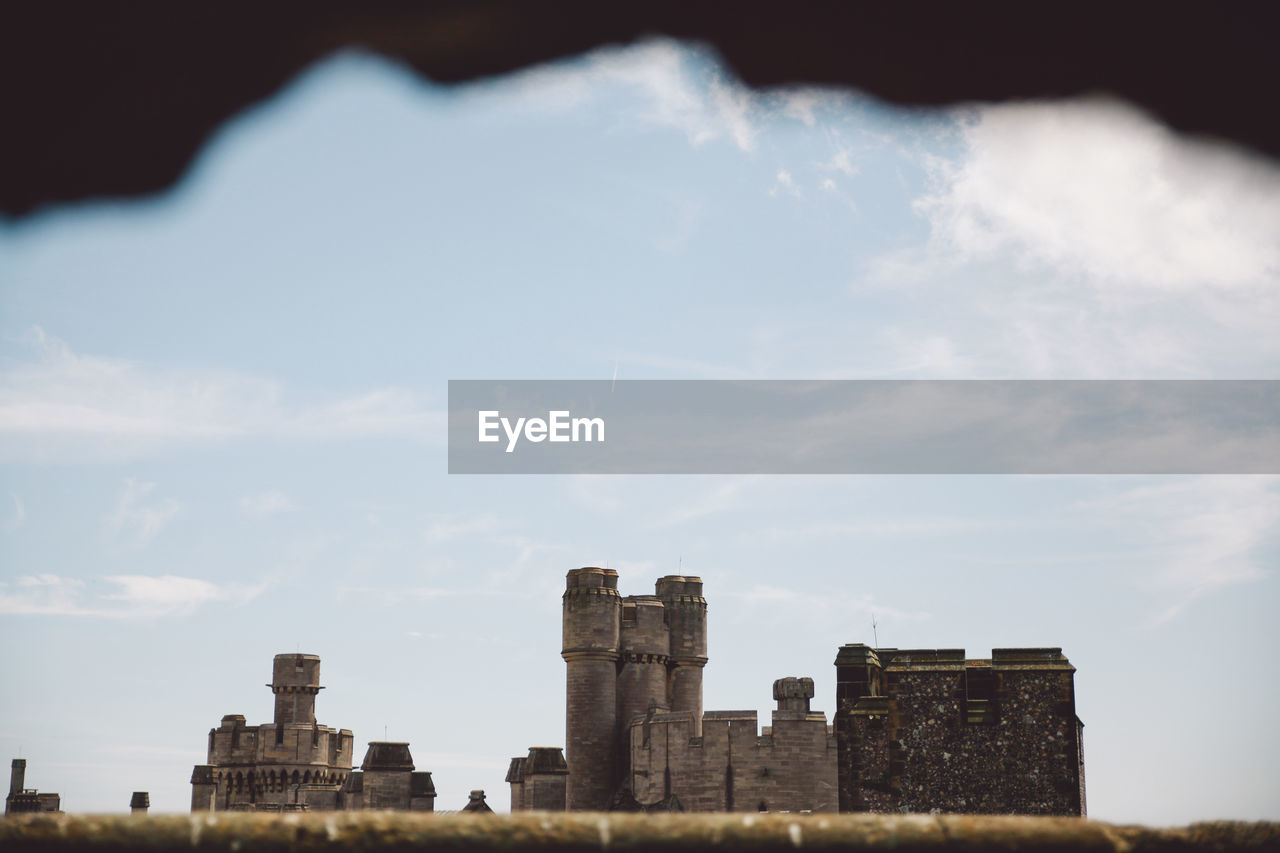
{"points": [[874, 638], [680, 564]]}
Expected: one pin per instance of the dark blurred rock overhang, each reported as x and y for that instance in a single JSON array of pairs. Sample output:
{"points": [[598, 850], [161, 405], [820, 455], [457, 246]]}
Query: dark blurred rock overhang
{"points": [[114, 100]]}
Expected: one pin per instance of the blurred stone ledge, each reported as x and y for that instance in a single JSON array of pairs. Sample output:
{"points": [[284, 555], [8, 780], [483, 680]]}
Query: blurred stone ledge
{"points": [[247, 833]]}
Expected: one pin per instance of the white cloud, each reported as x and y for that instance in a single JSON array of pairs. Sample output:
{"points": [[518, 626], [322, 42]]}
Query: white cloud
{"points": [[268, 503], [1082, 240], [1095, 188], [733, 107], [136, 520], [59, 405], [801, 105], [163, 594], [134, 596]]}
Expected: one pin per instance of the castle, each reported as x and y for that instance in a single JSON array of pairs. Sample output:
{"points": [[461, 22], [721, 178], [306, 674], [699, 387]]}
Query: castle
{"points": [[294, 763], [914, 730]]}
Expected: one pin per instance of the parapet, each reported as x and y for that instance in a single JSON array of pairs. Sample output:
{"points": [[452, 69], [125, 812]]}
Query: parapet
{"points": [[679, 587], [1029, 658], [591, 578], [202, 774], [935, 660], [679, 833], [387, 755], [729, 716], [296, 669]]}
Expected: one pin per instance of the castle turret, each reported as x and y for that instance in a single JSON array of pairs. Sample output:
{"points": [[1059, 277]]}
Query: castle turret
{"points": [[686, 613], [295, 680], [140, 802], [590, 650]]}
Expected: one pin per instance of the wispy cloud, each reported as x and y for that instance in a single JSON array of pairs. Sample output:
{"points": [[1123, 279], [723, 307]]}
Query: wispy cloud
{"points": [[129, 596], [137, 520], [677, 88], [59, 405], [783, 183], [268, 503], [1207, 533], [824, 604], [445, 527], [19, 516], [842, 161]]}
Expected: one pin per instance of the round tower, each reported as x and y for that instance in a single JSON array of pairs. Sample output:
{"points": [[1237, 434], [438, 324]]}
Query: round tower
{"points": [[295, 680], [590, 650], [686, 612]]}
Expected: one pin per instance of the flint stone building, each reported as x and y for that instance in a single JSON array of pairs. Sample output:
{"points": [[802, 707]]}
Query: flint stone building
{"points": [[294, 763], [932, 730], [915, 730]]}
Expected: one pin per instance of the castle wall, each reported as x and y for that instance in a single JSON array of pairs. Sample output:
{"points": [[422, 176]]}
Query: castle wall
{"points": [[386, 789], [791, 766]]}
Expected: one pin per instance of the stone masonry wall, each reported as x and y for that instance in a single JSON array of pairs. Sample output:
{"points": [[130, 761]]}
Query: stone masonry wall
{"points": [[732, 767]]}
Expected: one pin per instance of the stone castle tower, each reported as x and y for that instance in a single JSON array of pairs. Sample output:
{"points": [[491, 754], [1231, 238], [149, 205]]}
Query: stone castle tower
{"points": [[294, 763], [625, 657], [277, 763]]}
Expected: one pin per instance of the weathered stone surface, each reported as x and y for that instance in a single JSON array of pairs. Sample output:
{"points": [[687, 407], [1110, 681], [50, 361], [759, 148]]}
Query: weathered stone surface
{"points": [[250, 833]]}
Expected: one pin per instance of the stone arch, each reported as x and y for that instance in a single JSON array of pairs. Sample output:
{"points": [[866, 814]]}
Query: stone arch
{"points": [[296, 777], [763, 807], [239, 782], [306, 777]]}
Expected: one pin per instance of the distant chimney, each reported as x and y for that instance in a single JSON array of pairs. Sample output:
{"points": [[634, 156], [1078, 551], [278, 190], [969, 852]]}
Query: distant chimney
{"points": [[18, 776], [140, 802], [476, 804]]}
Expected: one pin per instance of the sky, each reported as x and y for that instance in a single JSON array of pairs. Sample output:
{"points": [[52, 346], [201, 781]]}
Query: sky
{"points": [[222, 416]]}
